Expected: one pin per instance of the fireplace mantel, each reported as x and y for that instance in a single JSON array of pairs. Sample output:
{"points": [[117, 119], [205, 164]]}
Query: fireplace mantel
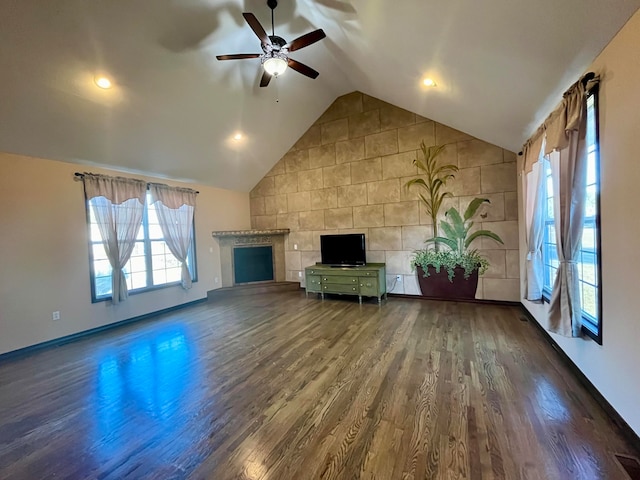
{"points": [[230, 239]]}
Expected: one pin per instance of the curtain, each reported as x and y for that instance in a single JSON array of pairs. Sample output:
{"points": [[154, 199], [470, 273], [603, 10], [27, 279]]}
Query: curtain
{"points": [[118, 205], [534, 223], [566, 133], [174, 207]]}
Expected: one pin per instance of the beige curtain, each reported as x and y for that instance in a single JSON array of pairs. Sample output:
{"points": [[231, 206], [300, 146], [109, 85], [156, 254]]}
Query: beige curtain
{"points": [[535, 196], [175, 207], [118, 205], [566, 134]]}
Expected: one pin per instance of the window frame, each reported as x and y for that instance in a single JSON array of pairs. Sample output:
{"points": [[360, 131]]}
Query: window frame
{"points": [[148, 261], [590, 327]]}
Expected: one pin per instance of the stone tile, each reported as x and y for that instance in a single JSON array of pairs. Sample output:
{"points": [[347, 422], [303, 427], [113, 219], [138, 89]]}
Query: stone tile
{"points": [[411, 286], [325, 198], [349, 231], [385, 191], [302, 240], [413, 237], [398, 262], [379, 144], [480, 290], [338, 218], [511, 205], [366, 171], [292, 260], [364, 123], [372, 103], [350, 150], [312, 220], [385, 238], [497, 263], [288, 220], [395, 117], [409, 137], [295, 276], [296, 160], [447, 203], [509, 157], [446, 135], [466, 182], [335, 131], [506, 289], [352, 195], [488, 212], [408, 194], [513, 263], [401, 213], [368, 216], [310, 180], [307, 259], [375, 256], [475, 153], [265, 222], [399, 165], [298, 202], [498, 178], [287, 183], [394, 286], [507, 231], [275, 204], [342, 107], [265, 187], [256, 206], [277, 169], [322, 156], [311, 138], [337, 175]]}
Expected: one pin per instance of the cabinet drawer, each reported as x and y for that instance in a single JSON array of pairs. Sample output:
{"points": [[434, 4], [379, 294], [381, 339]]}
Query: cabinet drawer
{"points": [[313, 283], [368, 286], [338, 288], [337, 279]]}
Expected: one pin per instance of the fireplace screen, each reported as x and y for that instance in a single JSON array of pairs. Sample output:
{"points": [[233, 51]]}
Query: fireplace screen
{"points": [[253, 264]]}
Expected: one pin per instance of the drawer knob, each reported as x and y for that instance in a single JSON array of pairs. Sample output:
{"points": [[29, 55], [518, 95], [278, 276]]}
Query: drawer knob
{"points": [[353, 280], [354, 289], [325, 279]]}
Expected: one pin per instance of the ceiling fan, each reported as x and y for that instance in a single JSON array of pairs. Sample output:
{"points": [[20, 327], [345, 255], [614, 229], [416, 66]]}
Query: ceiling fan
{"points": [[275, 57]]}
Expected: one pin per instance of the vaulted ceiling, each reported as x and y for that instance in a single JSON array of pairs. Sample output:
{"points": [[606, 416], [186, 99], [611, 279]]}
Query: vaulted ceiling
{"points": [[500, 67]]}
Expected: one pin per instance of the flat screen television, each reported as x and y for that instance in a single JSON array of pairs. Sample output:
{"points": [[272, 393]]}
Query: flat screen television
{"points": [[346, 250]]}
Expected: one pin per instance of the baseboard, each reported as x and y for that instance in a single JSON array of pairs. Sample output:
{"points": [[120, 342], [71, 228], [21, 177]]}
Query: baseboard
{"points": [[506, 303], [56, 342], [620, 422]]}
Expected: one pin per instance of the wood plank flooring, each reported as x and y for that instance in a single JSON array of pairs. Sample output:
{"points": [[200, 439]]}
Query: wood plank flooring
{"points": [[277, 386]]}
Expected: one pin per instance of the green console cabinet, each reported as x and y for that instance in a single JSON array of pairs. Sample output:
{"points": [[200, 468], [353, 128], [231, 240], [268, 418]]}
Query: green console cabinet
{"points": [[365, 281]]}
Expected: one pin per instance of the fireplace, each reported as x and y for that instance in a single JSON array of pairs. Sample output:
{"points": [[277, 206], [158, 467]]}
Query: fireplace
{"points": [[251, 256]]}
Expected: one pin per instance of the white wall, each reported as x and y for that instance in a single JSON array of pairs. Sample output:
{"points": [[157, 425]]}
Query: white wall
{"points": [[613, 367], [44, 264]]}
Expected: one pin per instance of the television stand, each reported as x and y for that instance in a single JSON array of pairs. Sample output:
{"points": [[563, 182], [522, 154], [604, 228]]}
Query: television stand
{"points": [[364, 281]]}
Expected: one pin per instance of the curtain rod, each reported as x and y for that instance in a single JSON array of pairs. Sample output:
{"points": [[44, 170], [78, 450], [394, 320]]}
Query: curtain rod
{"points": [[81, 175], [586, 78]]}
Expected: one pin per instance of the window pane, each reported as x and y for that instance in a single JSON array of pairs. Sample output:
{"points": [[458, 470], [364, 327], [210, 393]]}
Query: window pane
{"points": [[98, 251], [159, 277], [155, 232], [139, 280], [173, 274]]}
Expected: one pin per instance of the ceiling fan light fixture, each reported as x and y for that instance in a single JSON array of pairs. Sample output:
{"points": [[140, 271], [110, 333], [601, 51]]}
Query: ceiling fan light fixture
{"points": [[275, 64]]}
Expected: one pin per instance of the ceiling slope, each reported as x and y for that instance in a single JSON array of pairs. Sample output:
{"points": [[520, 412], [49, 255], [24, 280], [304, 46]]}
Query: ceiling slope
{"points": [[500, 68]]}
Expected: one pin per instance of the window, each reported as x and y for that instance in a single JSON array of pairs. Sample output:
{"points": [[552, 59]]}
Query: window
{"points": [[589, 255], [151, 265]]}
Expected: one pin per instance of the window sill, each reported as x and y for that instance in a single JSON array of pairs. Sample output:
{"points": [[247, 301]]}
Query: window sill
{"points": [[141, 290]]}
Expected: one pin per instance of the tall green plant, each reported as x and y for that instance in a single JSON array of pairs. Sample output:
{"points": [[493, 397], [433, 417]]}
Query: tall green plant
{"points": [[457, 228], [435, 178]]}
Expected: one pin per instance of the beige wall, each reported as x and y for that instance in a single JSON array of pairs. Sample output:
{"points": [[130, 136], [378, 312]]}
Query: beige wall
{"points": [[347, 174], [613, 367], [44, 263]]}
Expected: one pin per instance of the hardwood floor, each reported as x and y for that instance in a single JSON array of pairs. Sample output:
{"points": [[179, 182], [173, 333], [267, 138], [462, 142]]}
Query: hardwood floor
{"points": [[276, 386]]}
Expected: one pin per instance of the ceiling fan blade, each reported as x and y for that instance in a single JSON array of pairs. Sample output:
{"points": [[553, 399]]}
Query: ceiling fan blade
{"points": [[257, 28], [266, 78], [238, 56], [302, 68], [305, 40]]}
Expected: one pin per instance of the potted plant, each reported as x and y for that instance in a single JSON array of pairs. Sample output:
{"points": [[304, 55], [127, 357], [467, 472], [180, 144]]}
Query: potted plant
{"points": [[453, 271]]}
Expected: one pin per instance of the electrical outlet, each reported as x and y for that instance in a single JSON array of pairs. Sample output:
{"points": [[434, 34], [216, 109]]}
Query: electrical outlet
{"points": [[398, 278], [55, 315], [215, 280], [295, 246], [299, 274]]}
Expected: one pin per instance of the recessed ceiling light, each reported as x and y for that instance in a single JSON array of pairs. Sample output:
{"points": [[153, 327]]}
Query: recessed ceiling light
{"points": [[429, 82], [103, 82], [237, 136]]}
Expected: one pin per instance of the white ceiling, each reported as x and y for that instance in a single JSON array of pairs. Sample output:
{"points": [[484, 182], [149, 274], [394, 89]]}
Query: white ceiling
{"points": [[500, 65]]}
